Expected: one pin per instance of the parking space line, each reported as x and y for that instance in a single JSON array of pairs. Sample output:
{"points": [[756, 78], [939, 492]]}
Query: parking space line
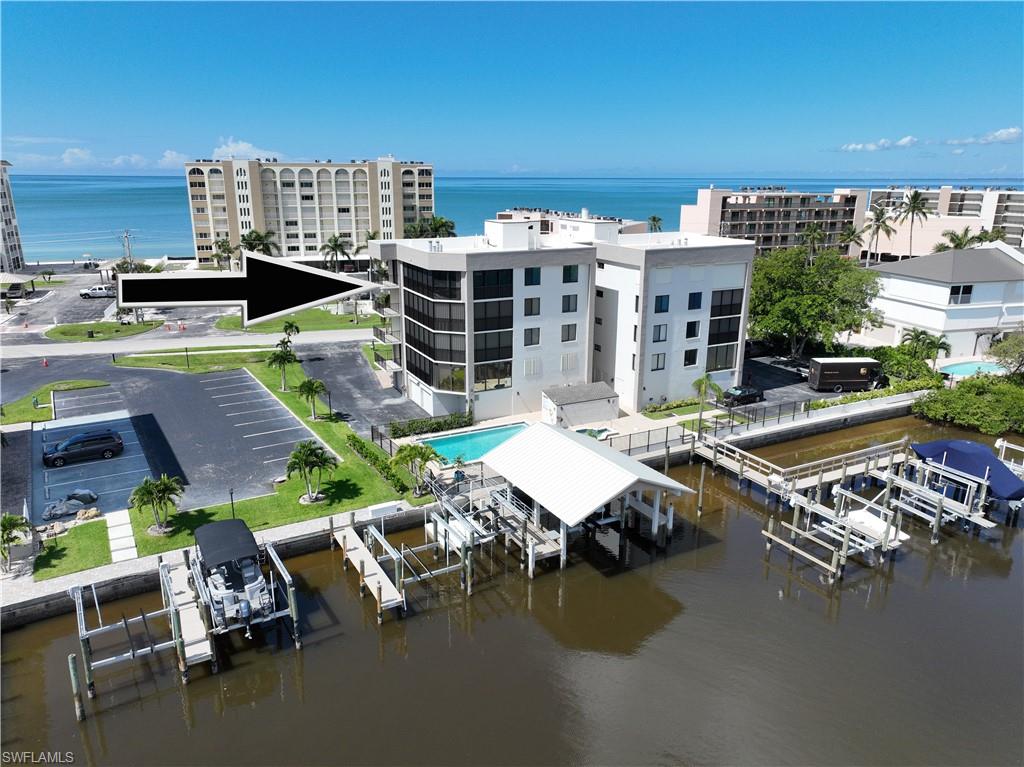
{"points": [[257, 410], [227, 386], [233, 394], [274, 460], [94, 479], [223, 378], [90, 396], [233, 404], [106, 460], [263, 420], [62, 406], [274, 431], [276, 444]]}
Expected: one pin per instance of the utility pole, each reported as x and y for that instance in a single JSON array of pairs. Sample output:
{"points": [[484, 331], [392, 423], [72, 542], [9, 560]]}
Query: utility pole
{"points": [[127, 240]]}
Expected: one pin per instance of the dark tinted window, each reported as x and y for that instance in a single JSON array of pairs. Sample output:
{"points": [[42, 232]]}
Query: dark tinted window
{"points": [[492, 315], [492, 283], [570, 273], [726, 302], [531, 275], [694, 302], [660, 304], [723, 331]]}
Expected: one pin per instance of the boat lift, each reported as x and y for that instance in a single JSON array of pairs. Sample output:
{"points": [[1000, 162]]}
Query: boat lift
{"points": [[186, 611], [854, 526]]}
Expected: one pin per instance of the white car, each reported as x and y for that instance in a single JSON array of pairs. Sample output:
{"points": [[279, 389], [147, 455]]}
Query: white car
{"points": [[98, 291]]}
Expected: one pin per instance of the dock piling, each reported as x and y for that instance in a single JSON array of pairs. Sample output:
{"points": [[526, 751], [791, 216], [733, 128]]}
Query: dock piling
{"points": [[700, 492], [293, 610], [76, 691]]}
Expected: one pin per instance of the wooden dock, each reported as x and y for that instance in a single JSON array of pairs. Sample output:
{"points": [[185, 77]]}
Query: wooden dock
{"points": [[372, 577], [198, 648]]}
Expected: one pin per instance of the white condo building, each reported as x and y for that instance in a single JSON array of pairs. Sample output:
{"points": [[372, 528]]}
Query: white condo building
{"points": [[491, 321], [12, 258], [971, 296], [951, 208], [305, 204]]}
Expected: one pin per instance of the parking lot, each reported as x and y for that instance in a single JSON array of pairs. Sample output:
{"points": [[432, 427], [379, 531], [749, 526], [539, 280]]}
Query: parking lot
{"points": [[112, 479], [780, 381]]}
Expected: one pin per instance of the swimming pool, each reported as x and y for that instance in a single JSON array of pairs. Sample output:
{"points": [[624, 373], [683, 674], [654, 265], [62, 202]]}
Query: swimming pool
{"points": [[971, 368], [470, 445]]}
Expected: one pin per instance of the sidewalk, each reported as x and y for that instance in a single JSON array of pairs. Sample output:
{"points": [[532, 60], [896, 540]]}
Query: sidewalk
{"points": [[151, 342]]}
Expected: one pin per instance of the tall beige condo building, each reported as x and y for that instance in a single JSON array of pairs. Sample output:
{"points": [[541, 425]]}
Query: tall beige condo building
{"points": [[774, 217], [12, 258], [954, 208], [305, 204]]}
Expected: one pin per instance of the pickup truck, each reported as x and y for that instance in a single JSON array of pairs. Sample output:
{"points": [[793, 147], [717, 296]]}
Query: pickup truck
{"points": [[98, 291]]}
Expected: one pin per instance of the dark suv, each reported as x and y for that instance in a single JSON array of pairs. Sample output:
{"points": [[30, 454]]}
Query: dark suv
{"points": [[82, 447], [741, 395]]}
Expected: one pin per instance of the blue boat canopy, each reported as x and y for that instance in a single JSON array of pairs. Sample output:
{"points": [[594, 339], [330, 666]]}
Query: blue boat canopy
{"points": [[974, 459]]}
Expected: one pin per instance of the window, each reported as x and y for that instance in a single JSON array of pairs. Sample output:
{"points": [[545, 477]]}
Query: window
{"points": [[292, 236], [569, 303], [722, 331], [600, 264], [693, 329], [721, 357], [597, 347], [726, 302], [689, 358], [694, 301], [660, 333], [291, 223], [305, 184], [307, 198], [310, 235], [531, 366], [569, 332], [600, 293], [960, 294], [492, 346], [658, 361], [568, 361], [293, 248], [660, 304], [344, 210], [570, 273], [287, 184], [492, 283], [531, 307], [495, 375], [531, 275], [632, 364], [636, 303], [531, 336], [598, 321], [634, 332]]}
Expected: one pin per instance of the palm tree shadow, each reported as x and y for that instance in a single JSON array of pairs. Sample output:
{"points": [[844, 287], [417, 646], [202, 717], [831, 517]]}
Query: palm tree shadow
{"points": [[338, 490], [187, 521]]}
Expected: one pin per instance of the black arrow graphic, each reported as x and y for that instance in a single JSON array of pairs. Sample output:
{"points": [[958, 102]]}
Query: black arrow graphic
{"points": [[266, 288]]}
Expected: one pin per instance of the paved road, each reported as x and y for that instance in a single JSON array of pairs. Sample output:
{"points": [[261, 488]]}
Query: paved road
{"points": [[355, 391], [158, 340]]}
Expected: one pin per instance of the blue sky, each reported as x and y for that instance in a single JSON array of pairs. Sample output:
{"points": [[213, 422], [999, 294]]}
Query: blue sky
{"points": [[816, 89]]}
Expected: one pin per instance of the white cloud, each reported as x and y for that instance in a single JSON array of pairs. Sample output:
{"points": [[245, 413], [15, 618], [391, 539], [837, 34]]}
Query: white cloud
{"points": [[171, 159], [240, 150], [959, 151], [1001, 136], [28, 159], [129, 161], [77, 156], [22, 140], [881, 145]]}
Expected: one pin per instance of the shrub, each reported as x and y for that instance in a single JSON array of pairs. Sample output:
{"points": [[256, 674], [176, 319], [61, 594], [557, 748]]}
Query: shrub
{"points": [[399, 429], [990, 404], [900, 387], [370, 453], [660, 406]]}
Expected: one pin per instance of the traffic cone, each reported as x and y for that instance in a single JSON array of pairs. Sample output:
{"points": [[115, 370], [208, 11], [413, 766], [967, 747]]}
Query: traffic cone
{"points": [[45, 363]]}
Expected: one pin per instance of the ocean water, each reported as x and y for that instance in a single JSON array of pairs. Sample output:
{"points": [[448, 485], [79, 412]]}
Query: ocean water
{"points": [[66, 217]]}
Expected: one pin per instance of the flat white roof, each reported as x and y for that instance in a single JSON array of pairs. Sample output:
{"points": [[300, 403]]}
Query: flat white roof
{"points": [[571, 475]]}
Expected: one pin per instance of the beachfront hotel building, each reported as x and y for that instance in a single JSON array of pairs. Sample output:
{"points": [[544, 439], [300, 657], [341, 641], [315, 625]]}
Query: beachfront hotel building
{"points": [[305, 204], [489, 322], [12, 258], [954, 208], [773, 216]]}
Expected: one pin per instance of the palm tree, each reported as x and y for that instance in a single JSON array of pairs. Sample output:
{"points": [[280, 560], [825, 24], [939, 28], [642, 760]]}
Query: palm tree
{"points": [[703, 386], [812, 236], [654, 223], [335, 248], [415, 456], [913, 208], [290, 328], [851, 236], [224, 251], [11, 527], [998, 233], [879, 222], [940, 343], [47, 274], [259, 242], [957, 240], [439, 226], [417, 230], [306, 458], [158, 494], [282, 358], [918, 341], [371, 234], [309, 390]]}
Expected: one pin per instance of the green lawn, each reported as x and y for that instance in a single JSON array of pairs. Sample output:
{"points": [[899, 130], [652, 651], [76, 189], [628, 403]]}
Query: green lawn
{"points": [[384, 350], [82, 547], [103, 331], [21, 410], [684, 410], [307, 319], [194, 363], [355, 483]]}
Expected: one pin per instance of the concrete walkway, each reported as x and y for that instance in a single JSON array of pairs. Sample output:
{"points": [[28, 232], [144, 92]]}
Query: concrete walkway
{"points": [[151, 342], [122, 537]]}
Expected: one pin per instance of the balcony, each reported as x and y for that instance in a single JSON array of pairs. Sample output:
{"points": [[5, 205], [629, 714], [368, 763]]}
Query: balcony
{"points": [[387, 335]]}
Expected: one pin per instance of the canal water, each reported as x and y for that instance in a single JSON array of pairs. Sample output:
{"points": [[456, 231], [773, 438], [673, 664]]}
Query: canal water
{"points": [[702, 654]]}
